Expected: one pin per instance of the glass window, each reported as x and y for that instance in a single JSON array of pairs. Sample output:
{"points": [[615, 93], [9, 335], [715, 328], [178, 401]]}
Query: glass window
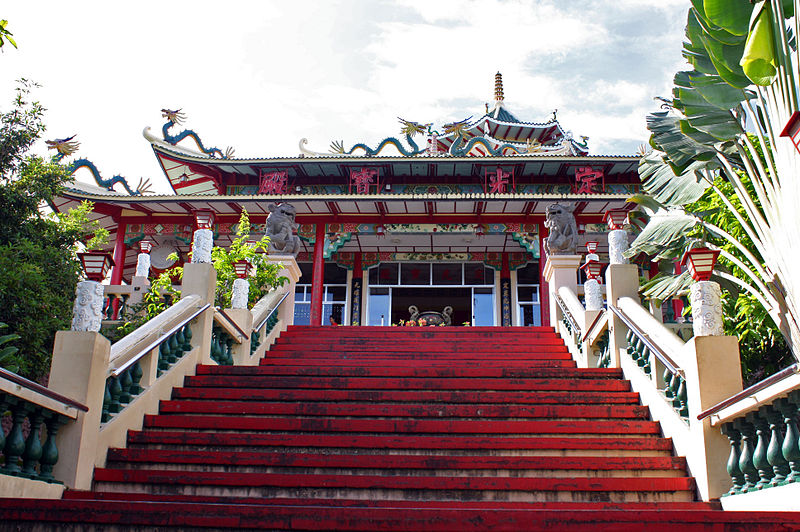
{"points": [[386, 273], [482, 306], [477, 273], [528, 274], [447, 273], [415, 273], [379, 306], [334, 274], [336, 293], [528, 294], [529, 316]]}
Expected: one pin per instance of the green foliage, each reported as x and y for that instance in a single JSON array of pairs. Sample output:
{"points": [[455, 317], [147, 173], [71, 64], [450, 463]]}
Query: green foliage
{"points": [[37, 249], [266, 276], [6, 35], [7, 358], [158, 298]]}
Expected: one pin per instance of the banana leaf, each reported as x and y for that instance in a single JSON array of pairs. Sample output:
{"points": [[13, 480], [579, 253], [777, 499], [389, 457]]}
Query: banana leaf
{"points": [[726, 60], [669, 188], [713, 89], [666, 286], [731, 16], [680, 149], [665, 234], [759, 59], [713, 30]]}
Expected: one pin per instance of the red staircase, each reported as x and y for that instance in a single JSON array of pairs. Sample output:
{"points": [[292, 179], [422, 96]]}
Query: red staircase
{"points": [[368, 428]]}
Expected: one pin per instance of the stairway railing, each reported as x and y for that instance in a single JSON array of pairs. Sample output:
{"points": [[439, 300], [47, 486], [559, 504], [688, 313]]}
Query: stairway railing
{"points": [[677, 380], [270, 315], [42, 413]]}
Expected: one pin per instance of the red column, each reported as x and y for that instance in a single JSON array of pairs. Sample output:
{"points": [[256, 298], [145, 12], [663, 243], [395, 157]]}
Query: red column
{"points": [[317, 277], [358, 268], [119, 254]]}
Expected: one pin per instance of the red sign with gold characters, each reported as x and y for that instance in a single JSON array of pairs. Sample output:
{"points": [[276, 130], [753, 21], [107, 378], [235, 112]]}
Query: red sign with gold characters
{"points": [[498, 181], [589, 181], [361, 180], [273, 182]]}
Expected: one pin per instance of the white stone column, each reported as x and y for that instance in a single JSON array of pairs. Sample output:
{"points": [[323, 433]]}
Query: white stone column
{"points": [[87, 312], [560, 270], [201, 246], [593, 295], [706, 308], [241, 292], [143, 265], [617, 245]]}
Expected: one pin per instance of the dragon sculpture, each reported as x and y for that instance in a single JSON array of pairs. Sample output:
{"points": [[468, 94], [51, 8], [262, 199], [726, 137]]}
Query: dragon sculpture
{"points": [[67, 146], [409, 129], [176, 118], [460, 149]]}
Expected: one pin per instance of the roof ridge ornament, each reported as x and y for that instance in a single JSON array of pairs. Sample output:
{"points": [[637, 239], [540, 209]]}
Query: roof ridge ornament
{"points": [[498, 87], [176, 118]]}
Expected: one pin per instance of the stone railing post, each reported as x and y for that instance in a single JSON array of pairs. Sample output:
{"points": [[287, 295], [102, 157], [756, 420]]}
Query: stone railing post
{"points": [[622, 280], [560, 270], [201, 279], [243, 318], [712, 368], [290, 270], [78, 371]]}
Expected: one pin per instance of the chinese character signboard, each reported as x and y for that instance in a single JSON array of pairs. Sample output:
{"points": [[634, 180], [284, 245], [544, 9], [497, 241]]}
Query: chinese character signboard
{"points": [[273, 182], [363, 179], [498, 181], [589, 181]]}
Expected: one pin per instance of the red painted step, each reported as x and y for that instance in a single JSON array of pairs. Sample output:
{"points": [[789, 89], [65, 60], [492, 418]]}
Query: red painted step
{"points": [[416, 370], [252, 408], [415, 396]]}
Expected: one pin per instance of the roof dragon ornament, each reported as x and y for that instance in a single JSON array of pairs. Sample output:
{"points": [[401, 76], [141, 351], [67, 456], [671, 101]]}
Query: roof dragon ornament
{"points": [[176, 118], [458, 149], [67, 146], [409, 129]]}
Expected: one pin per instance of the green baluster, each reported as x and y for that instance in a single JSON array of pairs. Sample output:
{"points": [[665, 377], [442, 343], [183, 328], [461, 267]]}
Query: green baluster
{"points": [[683, 399], [791, 441], [187, 335], [646, 359], [735, 472], [15, 442], [667, 377], [4, 402], [125, 383], [780, 466], [180, 340], [746, 458], [109, 310], [229, 350], [136, 377], [33, 445], [123, 305], [115, 389], [106, 415], [215, 344], [50, 450], [163, 357], [674, 386], [760, 454], [173, 349]]}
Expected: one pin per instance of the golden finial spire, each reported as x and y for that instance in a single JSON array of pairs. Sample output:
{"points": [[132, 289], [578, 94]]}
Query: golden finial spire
{"points": [[498, 87]]}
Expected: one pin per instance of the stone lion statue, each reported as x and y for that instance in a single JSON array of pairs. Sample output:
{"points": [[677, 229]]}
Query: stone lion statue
{"points": [[563, 236], [281, 228]]}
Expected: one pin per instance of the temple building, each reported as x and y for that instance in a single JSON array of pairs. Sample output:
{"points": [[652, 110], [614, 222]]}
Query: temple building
{"points": [[441, 216]]}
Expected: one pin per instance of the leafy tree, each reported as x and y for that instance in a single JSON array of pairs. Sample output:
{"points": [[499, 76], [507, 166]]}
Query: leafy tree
{"points": [[6, 35], [709, 180], [37, 249]]}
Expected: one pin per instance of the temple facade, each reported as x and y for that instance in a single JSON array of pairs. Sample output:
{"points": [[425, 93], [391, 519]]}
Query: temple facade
{"points": [[447, 219]]}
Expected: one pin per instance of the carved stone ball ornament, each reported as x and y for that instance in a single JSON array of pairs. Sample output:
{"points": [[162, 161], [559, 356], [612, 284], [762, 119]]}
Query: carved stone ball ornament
{"points": [[705, 297], [201, 246], [281, 229], [241, 292], [617, 246], [87, 312], [563, 236]]}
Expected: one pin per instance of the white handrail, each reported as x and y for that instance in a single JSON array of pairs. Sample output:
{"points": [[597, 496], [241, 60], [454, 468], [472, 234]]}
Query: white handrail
{"points": [[267, 304], [664, 338], [573, 304]]}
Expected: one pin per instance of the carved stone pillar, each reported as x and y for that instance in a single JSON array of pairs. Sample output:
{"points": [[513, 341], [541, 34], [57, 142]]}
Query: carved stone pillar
{"points": [[201, 246], [143, 265], [706, 308], [593, 295], [87, 313], [617, 245], [241, 293]]}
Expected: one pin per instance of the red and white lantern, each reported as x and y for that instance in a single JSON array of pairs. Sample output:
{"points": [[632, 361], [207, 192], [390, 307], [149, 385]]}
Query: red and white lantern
{"points": [[96, 264], [700, 262], [616, 218], [204, 219]]}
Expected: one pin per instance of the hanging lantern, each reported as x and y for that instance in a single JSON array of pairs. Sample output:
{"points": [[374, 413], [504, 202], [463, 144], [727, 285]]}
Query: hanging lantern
{"points": [[96, 264], [792, 130], [591, 246], [592, 269], [700, 262], [616, 218], [242, 268], [204, 218], [145, 246], [480, 231], [380, 230]]}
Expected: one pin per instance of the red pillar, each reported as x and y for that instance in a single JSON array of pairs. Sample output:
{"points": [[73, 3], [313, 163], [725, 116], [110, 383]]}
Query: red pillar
{"points": [[119, 254], [317, 276]]}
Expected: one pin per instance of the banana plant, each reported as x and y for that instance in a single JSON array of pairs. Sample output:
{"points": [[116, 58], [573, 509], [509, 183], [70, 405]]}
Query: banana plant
{"points": [[718, 137]]}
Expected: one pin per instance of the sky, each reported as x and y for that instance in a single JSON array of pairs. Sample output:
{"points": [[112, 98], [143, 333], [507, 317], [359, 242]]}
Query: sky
{"points": [[259, 76]]}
